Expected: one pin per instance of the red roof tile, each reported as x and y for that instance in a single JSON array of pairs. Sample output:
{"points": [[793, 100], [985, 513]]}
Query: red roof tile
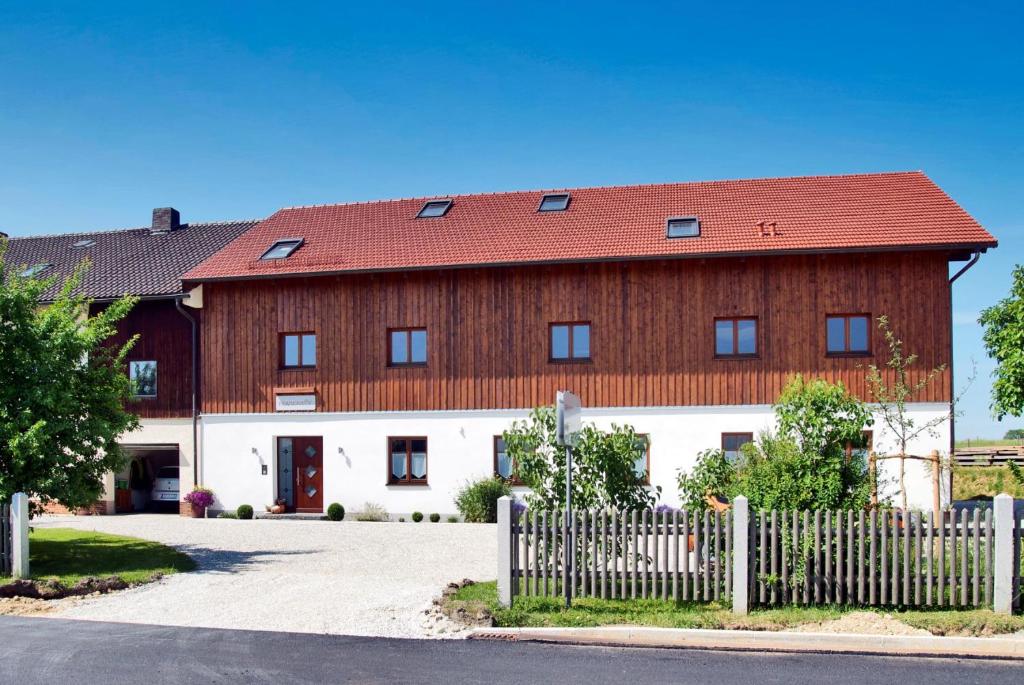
{"points": [[818, 213]]}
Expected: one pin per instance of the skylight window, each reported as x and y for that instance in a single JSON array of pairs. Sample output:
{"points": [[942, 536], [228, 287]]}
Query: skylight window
{"points": [[34, 270], [85, 242], [434, 209], [282, 249], [683, 227], [554, 202]]}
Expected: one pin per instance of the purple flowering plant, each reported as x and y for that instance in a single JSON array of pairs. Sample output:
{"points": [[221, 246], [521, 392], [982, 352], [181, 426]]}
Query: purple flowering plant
{"points": [[200, 497]]}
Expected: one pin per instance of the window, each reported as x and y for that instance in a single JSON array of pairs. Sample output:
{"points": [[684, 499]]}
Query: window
{"points": [[282, 249], [859, 449], [142, 376], [731, 443], [736, 337], [570, 342], [34, 270], [642, 461], [503, 466], [85, 242], [407, 461], [683, 227], [298, 350], [434, 209], [847, 334], [407, 347], [554, 202]]}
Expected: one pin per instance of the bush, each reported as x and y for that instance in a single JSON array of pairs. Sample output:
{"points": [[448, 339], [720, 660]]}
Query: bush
{"points": [[434, 518], [401, 519], [244, 512], [453, 519], [335, 512], [373, 512], [417, 516], [200, 497], [478, 502], [227, 515]]}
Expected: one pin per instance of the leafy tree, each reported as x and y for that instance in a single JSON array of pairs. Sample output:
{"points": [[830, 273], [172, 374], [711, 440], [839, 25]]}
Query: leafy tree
{"points": [[603, 464], [62, 390], [1004, 342], [1014, 434], [803, 465], [892, 398]]}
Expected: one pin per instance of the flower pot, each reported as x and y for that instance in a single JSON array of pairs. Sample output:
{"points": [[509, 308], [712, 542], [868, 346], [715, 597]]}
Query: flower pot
{"points": [[277, 509], [198, 512]]}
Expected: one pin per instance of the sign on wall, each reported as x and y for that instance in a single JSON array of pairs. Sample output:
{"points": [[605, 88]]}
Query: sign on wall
{"points": [[295, 402]]}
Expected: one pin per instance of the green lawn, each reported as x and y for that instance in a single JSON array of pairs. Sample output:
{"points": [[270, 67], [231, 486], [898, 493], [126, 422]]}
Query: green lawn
{"points": [[540, 611], [986, 442], [975, 481], [70, 555]]}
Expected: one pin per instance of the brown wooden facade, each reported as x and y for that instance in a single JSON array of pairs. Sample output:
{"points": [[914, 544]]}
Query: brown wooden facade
{"points": [[652, 331], [165, 336]]}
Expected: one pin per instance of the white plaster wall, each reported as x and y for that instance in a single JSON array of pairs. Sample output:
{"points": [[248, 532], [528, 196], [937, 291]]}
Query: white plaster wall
{"points": [[460, 448]]}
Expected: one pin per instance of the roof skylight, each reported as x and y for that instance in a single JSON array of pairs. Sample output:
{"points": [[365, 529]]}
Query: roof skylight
{"points": [[282, 249], [84, 242], [682, 227], [34, 270], [434, 208], [554, 202]]}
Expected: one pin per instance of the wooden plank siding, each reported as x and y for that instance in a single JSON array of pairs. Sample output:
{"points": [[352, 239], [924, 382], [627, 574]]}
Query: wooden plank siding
{"points": [[652, 335], [166, 337]]}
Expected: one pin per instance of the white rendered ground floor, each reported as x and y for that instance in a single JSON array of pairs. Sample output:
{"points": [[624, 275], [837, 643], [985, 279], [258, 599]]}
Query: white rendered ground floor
{"points": [[248, 458]]}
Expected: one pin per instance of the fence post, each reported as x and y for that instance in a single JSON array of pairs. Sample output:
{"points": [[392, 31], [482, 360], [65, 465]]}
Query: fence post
{"points": [[1002, 597], [505, 551], [740, 552], [19, 535]]}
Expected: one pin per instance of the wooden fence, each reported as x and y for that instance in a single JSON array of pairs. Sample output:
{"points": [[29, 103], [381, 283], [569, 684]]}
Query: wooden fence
{"points": [[6, 548], [877, 558]]}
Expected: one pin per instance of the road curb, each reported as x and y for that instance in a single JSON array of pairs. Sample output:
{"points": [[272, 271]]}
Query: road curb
{"points": [[763, 641]]}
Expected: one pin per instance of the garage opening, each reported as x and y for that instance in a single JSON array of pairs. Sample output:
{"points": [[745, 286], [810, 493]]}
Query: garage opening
{"points": [[151, 480]]}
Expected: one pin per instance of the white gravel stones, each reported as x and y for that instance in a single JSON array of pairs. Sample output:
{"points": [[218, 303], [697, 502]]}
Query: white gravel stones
{"points": [[347, 578]]}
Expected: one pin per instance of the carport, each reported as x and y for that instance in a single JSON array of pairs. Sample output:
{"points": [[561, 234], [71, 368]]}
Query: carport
{"points": [[134, 484]]}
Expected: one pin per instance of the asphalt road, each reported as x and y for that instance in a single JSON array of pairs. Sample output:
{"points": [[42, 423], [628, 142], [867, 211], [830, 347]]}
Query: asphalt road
{"points": [[46, 650]]}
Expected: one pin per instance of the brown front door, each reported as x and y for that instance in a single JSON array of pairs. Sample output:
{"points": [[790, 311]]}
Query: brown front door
{"points": [[300, 469]]}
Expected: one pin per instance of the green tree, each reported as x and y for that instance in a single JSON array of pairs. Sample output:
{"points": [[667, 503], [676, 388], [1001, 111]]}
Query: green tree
{"points": [[804, 465], [603, 465], [62, 390], [1014, 434], [1004, 342]]}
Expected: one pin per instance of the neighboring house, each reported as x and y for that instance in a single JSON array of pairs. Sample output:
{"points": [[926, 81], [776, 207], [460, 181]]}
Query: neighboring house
{"points": [[376, 351], [147, 262]]}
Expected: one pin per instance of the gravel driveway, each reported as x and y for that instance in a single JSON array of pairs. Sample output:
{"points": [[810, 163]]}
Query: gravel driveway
{"points": [[304, 576]]}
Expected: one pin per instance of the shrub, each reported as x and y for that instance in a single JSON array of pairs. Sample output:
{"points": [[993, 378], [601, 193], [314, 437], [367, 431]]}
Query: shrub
{"points": [[373, 512], [417, 516], [434, 518], [244, 512], [200, 497], [227, 515], [478, 501], [453, 519], [335, 512], [401, 519]]}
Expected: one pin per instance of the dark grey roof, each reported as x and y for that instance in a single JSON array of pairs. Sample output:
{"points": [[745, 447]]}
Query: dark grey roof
{"points": [[131, 261]]}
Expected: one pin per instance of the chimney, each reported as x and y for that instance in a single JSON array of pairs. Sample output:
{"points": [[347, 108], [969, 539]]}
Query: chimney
{"points": [[165, 220]]}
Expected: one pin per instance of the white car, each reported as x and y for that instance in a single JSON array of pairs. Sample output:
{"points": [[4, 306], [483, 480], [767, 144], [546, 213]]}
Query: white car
{"points": [[166, 485]]}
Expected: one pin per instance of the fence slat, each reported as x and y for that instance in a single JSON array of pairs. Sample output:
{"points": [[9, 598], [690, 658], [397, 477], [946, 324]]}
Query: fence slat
{"points": [[716, 591], [664, 554], [706, 570], [675, 546], [686, 556], [883, 571], [783, 558], [894, 589], [873, 560], [860, 556], [840, 548], [952, 559], [988, 558], [976, 565], [613, 562], [728, 554], [929, 552], [940, 571], [762, 570], [851, 557], [918, 535], [964, 542], [818, 556], [794, 556]]}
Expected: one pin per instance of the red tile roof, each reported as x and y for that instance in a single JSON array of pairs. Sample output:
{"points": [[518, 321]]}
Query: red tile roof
{"points": [[815, 213]]}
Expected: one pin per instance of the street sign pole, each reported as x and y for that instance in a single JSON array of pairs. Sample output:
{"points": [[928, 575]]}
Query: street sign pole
{"points": [[567, 416]]}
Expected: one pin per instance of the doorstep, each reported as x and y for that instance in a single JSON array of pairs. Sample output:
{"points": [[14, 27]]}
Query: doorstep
{"points": [[1011, 647]]}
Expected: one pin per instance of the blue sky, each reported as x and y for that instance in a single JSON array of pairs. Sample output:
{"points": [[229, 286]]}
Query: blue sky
{"points": [[233, 110]]}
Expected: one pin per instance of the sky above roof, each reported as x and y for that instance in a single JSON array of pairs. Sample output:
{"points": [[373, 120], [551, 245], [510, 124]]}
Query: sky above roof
{"points": [[228, 111]]}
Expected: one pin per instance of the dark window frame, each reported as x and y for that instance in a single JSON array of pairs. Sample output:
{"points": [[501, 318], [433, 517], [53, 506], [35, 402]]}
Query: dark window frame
{"points": [[156, 382], [749, 436], [570, 359], [868, 438], [736, 354], [514, 478], [298, 243], [646, 480], [846, 351], [408, 480], [281, 363], [446, 201], [546, 196], [674, 219], [408, 330]]}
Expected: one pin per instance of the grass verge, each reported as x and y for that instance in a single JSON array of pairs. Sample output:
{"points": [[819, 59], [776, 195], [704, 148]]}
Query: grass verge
{"points": [[984, 481], [69, 555], [587, 612]]}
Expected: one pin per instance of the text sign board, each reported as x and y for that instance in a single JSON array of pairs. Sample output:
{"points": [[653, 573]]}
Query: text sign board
{"points": [[295, 402], [567, 411]]}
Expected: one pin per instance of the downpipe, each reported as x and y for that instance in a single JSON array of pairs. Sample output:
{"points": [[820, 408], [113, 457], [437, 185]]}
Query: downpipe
{"points": [[195, 375]]}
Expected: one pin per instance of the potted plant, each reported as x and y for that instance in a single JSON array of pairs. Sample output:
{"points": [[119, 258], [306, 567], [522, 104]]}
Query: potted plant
{"points": [[278, 507], [200, 499]]}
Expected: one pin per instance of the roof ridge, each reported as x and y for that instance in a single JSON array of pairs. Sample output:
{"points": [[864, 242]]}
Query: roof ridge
{"points": [[107, 231], [425, 198]]}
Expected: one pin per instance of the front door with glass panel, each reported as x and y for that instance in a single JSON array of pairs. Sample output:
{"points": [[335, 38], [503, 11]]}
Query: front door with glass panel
{"points": [[300, 469]]}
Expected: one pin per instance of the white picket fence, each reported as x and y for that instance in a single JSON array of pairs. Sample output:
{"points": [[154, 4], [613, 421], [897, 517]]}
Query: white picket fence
{"points": [[881, 558]]}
